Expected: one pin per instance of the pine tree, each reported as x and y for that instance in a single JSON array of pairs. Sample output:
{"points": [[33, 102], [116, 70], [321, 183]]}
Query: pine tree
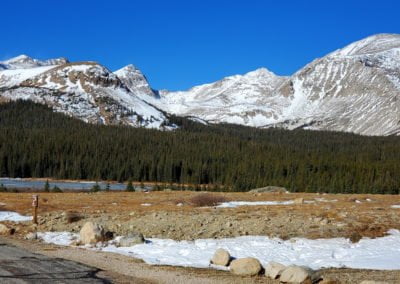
{"points": [[46, 186], [130, 187], [95, 188], [3, 188], [56, 189]]}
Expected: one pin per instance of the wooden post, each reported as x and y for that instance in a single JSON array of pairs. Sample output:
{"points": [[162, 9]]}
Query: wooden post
{"points": [[35, 205]]}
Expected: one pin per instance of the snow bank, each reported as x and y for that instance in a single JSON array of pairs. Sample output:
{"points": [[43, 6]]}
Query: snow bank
{"points": [[234, 204], [379, 253], [13, 216], [58, 238]]}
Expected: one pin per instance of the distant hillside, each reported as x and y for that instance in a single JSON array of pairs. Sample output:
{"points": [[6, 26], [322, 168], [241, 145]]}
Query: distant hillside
{"points": [[37, 142]]}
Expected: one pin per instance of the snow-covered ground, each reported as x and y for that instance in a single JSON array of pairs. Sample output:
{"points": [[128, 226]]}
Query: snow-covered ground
{"points": [[13, 216], [234, 204], [379, 253]]}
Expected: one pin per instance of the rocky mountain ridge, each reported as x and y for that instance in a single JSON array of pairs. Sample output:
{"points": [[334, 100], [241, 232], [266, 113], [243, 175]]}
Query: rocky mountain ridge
{"points": [[353, 89]]}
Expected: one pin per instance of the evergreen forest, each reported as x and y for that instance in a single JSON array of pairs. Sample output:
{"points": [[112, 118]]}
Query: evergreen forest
{"points": [[37, 142]]}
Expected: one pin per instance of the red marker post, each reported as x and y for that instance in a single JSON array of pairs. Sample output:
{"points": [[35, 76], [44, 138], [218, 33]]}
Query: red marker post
{"points": [[35, 205]]}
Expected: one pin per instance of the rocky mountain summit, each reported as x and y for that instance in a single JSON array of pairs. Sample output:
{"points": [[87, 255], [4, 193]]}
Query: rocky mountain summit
{"points": [[86, 90], [353, 89]]}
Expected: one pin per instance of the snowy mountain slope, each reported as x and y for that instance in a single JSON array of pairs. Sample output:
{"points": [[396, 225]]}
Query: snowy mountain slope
{"points": [[242, 99], [24, 61], [354, 89], [14, 77], [85, 90]]}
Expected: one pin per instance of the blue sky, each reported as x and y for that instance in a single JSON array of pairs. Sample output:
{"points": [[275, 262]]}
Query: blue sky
{"points": [[179, 44]]}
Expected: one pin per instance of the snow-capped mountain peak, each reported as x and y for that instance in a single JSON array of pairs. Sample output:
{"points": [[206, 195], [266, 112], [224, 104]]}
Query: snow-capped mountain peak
{"points": [[24, 61], [370, 45], [135, 81], [86, 90], [353, 89], [18, 59]]}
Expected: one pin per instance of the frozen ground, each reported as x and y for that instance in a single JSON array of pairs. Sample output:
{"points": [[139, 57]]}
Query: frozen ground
{"points": [[234, 204], [380, 253], [13, 216]]}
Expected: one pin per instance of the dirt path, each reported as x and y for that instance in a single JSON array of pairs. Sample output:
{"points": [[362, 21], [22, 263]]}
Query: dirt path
{"points": [[18, 265]]}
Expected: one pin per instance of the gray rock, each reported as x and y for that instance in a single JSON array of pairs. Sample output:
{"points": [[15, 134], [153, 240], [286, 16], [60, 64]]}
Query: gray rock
{"points": [[5, 230], [221, 257], [31, 236], [91, 233], [274, 269], [248, 266], [299, 200], [131, 239], [297, 274]]}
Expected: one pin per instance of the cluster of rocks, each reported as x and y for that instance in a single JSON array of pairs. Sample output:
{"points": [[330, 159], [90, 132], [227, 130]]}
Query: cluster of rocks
{"points": [[250, 266]]}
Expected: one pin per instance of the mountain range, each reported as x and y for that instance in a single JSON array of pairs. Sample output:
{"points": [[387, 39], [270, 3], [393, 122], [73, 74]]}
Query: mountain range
{"points": [[354, 89]]}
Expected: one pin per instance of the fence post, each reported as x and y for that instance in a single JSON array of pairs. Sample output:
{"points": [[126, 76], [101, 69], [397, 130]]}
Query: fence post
{"points": [[35, 205]]}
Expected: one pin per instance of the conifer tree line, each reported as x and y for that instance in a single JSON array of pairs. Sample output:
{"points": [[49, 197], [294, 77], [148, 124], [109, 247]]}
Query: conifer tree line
{"points": [[37, 142]]}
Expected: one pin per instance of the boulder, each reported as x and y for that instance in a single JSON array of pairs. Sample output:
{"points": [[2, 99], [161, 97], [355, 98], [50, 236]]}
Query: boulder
{"points": [[91, 233], [248, 266], [131, 239], [297, 274], [31, 236], [221, 257], [5, 230], [269, 189], [274, 269], [299, 200]]}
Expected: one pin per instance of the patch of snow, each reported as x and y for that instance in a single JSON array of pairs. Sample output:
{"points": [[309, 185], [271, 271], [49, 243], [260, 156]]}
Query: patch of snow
{"points": [[395, 206], [58, 238], [234, 204], [13, 217], [13, 77], [380, 253], [325, 200], [146, 204]]}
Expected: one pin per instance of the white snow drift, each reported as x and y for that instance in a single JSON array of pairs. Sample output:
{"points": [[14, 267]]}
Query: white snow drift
{"points": [[234, 204], [379, 253], [13, 216]]}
